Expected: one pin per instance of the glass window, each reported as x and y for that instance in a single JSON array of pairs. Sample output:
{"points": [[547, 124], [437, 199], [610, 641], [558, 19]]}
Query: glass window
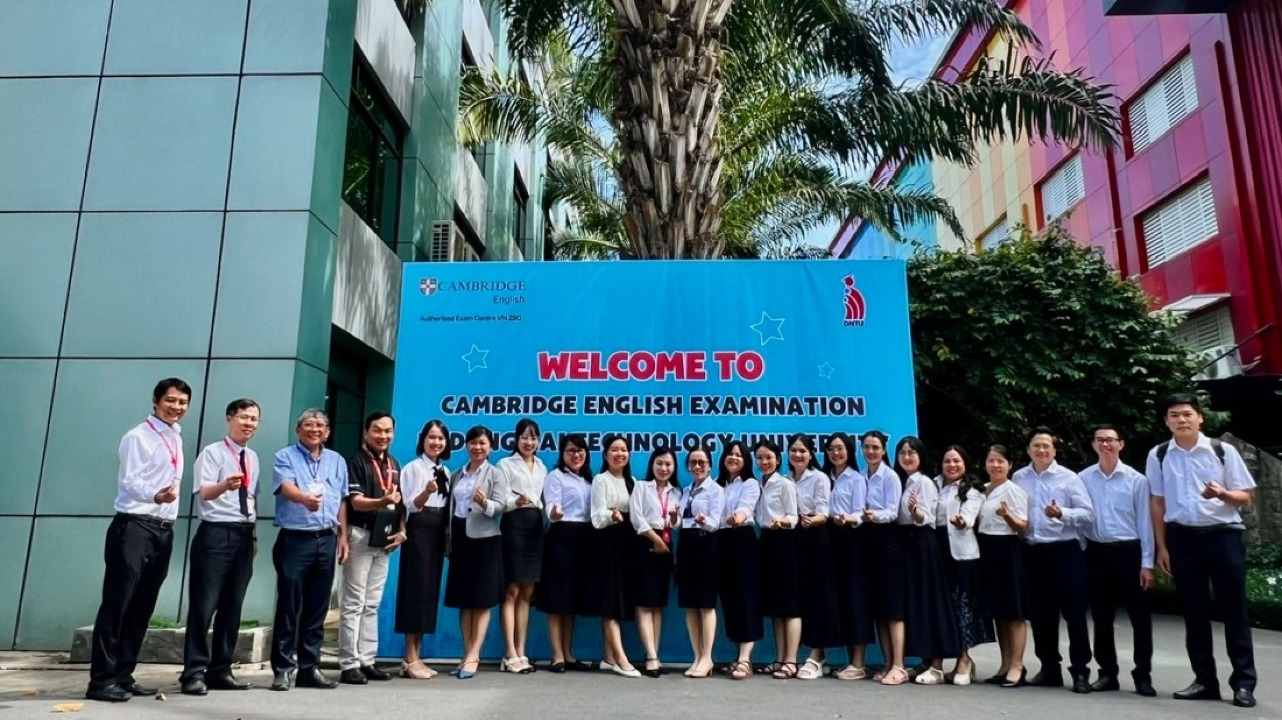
{"points": [[520, 201], [372, 167]]}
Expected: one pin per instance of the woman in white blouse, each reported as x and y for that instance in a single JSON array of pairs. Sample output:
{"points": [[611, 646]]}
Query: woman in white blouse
{"points": [[702, 507], [885, 557], [846, 507], [612, 543], [960, 496], [739, 584], [777, 514], [1004, 597], [930, 630], [567, 499], [816, 588], [655, 503], [522, 542], [425, 485]]}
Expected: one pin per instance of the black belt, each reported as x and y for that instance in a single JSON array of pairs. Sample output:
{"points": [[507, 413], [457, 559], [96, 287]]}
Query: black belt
{"points": [[1209, 529], [229, 525], [148, 520], [433, 509], [1113, 543], [327, 532]]}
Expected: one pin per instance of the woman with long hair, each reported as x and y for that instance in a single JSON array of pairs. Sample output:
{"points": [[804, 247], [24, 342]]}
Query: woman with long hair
{"points": [[567, 499], [702, 507], [961, 494], [654, 505], [849, 497], [816, 589], [885, 557], [1003, 518], [777, 513], [609, 594], [739, 581], [522, 525], [425, 486]]}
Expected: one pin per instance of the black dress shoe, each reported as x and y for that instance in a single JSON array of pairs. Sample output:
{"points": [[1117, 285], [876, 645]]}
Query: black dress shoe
{"points": [[371, 672], [280, 680], [227, 682], [557, 667], [1243, 698], [1144, 686], [1106, 683], [1047, 678], [1021, 682], [314, 678], [1198, 691], [1082, 684], [194, 686], [578, 666], [351, 676], [997, 679], [133, 688], [111, 693]]}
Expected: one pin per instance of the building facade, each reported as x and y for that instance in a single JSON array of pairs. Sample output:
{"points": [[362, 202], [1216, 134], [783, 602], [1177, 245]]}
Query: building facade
{"points": [[1189, 204], [223, 191]]}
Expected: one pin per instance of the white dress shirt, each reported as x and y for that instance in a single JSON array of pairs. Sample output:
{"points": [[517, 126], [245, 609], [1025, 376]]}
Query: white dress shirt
{"points": [[961, 541], [1121, 508], [1062, 485], [778, 501], [609, 493], [1182, 475], [741, 497], [216, 462], [569, 492], [990, 523], [927, 494], [814, 492], [883, 492], [151, 459], [464, 488], [414, 478], [651, 508], [849, 496], [707, 498], [523, 480]]}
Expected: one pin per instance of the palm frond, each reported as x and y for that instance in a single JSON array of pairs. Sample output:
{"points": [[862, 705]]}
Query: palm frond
{"points": [[909, 20]]}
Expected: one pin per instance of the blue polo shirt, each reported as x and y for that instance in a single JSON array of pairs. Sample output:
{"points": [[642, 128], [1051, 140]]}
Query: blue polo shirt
{"points": [[294, 464]]}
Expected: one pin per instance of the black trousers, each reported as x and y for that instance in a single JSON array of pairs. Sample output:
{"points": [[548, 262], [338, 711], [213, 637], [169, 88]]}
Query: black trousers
{"points": [[136, 554], [304, 562], [222, 562], [1214, 557], [1113, 579], [1057, 579]]}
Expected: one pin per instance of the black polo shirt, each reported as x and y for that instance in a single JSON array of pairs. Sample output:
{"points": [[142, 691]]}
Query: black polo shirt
{"points": [[362, 479]]}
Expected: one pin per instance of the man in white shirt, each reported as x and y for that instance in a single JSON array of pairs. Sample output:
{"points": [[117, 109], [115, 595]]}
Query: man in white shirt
{"points": [[225, 488], [1198, 486], [1059, 511], [139, 541], [1119, 559]]}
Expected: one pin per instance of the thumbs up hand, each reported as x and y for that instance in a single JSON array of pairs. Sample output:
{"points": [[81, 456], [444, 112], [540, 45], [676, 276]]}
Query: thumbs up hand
{"points": [[1053, 511]]}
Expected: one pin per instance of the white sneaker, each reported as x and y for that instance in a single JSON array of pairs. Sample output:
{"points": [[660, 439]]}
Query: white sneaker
{"points": [[931, 676]]}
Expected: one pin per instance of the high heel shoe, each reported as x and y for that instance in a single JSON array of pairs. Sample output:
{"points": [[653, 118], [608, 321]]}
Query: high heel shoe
{"points": [[468, 674], [966, 678], [1021, 682], [997, 679]]}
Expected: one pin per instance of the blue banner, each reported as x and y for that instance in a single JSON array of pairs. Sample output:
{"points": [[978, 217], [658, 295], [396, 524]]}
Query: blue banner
{"points": [[680, 354]]}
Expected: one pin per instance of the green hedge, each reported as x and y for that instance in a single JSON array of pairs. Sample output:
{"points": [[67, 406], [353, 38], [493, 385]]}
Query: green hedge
{"points": [[1263, 590]]}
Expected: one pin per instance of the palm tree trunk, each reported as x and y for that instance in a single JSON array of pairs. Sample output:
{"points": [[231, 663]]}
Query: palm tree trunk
{"points": [[670, 68]]}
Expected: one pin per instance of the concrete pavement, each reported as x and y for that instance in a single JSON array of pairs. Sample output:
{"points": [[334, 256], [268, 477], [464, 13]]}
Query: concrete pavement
{"points": [[26, 691]]}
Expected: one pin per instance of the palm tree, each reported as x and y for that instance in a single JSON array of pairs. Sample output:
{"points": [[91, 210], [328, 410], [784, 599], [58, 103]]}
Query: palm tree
{"points": [[712, 128]]}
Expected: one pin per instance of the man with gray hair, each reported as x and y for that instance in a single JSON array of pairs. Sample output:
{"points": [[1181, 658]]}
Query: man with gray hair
{"points": [[310, 483]]}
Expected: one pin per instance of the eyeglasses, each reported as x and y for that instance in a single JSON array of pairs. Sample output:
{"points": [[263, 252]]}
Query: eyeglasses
{"points": [[1107, 440], [575, 451]]}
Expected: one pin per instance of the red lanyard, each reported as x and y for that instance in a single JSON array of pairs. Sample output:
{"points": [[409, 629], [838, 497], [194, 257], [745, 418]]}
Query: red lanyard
{"points": [[171, 449], [243, 469], [663, 508], [378, 472]]}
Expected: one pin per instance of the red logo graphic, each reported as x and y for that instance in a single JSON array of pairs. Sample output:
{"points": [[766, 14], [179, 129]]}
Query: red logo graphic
{"points": [[855, 306], [427, 286]]}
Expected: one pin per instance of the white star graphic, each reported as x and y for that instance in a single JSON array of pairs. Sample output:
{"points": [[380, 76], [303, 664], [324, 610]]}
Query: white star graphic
{"points": [[768, 328], [826, 370], [475, 358]]}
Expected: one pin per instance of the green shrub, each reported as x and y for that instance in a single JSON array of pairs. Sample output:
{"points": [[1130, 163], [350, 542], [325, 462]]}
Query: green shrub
{"points": [[1263, 597]]}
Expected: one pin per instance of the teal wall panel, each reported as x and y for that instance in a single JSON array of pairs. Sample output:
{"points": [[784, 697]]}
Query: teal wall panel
{"points": [[260, 288], [317, 306], [27, 389], [286, 36], [35, 267], [53, 37], [44, 142], [275, 147], [16, 531], [176, 37], [330, 149]]}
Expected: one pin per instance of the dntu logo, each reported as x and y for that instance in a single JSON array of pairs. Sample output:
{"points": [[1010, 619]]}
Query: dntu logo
{"points": [[427, 286], [855, 306]]}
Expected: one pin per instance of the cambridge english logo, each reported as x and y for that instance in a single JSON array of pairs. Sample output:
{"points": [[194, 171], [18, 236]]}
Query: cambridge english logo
{"points": [[855, 306], [427, 286]]}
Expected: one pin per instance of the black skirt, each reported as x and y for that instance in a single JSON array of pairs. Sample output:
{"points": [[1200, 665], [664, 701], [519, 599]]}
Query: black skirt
{"points": [[930, 627], [474, 580], [884, 559], [1003, 592], [973, 627], [651, 573], [854, 614], [522, 545], [816, 588], [418, 579], [698, 571], [608, 593], [778, 549], [565, 564], [739, 584]]}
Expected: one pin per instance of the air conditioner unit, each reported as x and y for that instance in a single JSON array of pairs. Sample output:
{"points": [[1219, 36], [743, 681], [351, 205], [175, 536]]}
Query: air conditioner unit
{"points": [[1219, 362], [450, 244]]}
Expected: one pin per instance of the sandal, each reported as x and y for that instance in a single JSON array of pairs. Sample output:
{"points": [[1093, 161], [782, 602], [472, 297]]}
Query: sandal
{"points": [[768, 668], [415, 671], [527, 667], [786, 671], [811, 670], [896, 676], [850, 672], [741, 670]]}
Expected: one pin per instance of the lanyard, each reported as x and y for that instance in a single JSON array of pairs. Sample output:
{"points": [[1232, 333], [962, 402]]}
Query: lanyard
{"points": [[663, 501], [172, 449], [313, 468], [243, 469], [386, 485]]}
